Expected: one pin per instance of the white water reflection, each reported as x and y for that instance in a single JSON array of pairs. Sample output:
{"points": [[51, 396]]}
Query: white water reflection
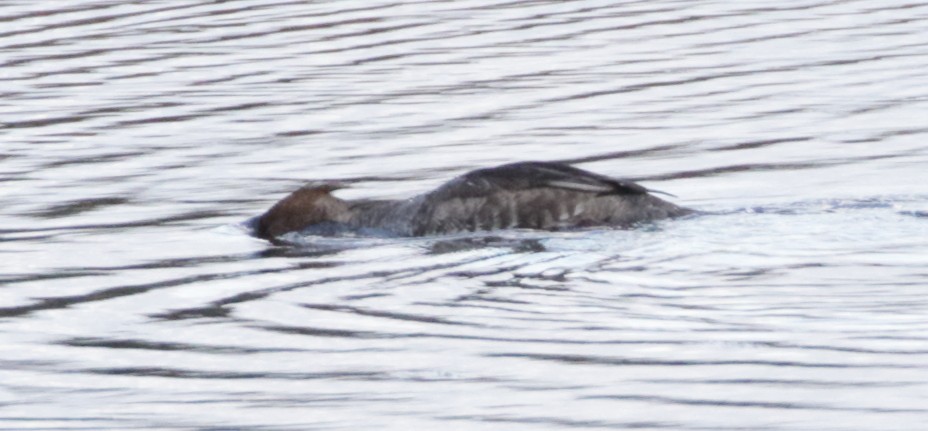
{"points": [[135, 137]]}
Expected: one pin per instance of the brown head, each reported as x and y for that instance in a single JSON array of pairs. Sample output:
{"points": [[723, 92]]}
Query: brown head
{"points": [[305, 207]]}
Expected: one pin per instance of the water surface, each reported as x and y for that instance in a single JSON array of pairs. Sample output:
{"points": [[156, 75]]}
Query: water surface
{"points": [[135, 137]]}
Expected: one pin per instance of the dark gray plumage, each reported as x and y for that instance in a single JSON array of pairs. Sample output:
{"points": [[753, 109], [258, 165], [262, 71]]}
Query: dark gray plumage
{"points": [[525, 195]]}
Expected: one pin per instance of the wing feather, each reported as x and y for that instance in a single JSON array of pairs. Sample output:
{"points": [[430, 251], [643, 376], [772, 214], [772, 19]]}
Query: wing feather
{"points": [[516, 188], [534, 175]]}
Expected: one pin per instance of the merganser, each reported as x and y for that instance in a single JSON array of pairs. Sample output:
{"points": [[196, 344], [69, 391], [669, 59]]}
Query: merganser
{"points": [[524, 195]]}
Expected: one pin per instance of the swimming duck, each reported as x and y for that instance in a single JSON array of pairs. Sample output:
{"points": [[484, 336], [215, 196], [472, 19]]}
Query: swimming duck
{"points": [[524, 195]]}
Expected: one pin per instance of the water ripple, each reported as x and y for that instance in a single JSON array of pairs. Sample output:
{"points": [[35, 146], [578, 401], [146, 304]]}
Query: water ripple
{"points": [[136, 137]]}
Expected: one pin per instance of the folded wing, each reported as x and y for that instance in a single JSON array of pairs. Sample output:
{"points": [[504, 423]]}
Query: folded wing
{"points": [[536, 195]]}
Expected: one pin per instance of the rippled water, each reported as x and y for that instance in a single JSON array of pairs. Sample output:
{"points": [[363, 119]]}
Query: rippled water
{"points": [[135, 136]]}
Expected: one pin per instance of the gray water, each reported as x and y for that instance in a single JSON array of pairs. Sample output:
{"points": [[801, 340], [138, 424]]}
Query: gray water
{"points": [[135, 137]]}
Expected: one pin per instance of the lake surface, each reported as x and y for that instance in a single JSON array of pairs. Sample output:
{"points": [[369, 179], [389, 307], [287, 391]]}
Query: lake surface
{"points": [[135, 137]]}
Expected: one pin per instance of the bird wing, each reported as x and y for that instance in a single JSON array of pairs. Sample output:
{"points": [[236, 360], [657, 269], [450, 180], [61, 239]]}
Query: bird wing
{"points": [[513, 195], [533, 175]]}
